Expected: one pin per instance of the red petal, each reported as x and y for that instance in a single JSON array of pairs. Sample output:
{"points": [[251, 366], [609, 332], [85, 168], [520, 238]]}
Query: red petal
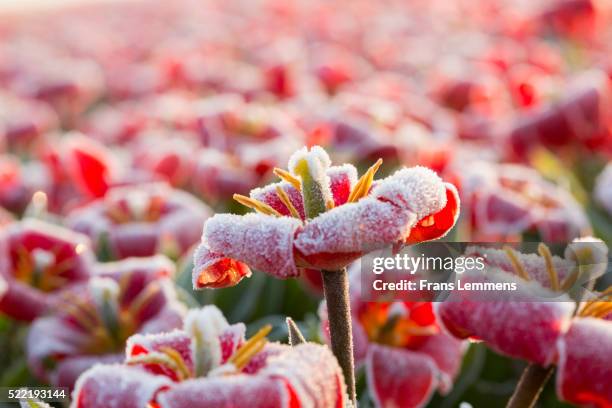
{"points": [[213, 270], [229, 391], [399, 378], [585, 363], [117, 386], [512, 323], [89, 165], [442, 221], [269, 196], [261, 241], [342, 178]]}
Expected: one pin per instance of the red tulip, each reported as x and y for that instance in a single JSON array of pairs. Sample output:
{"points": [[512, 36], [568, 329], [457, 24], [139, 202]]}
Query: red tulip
{"points": [[93, 320], [39, 261], [321, 218], [209, 363]]}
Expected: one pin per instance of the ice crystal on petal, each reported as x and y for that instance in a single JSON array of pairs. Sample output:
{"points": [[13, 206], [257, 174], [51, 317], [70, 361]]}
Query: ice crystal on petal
{"points": [[355, 227], [262, 242], [268, 195], [313, 387], [342, 179], [417, 189], [117, 386]]}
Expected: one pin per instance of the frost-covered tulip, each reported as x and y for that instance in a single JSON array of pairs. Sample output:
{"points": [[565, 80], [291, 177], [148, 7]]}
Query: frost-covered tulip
{"points": [[94, 320], [527, 322], [321, 217], [585, 361], [38, 261], [603, 189], [405, 353], [142, 220], [209, 363], [508, 200]]}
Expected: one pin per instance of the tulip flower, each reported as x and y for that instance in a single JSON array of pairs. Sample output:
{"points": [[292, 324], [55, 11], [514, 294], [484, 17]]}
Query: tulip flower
{"points": [[141, 220], [209, 363], [540, 322], [585, 363], [39, 261], [322, 217], [508, 200], [541, 300], [94, 320], [405, 353]]}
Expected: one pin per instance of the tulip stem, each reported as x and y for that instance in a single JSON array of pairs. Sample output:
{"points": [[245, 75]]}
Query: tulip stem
{"points": [[336, 288], [529, 387]]}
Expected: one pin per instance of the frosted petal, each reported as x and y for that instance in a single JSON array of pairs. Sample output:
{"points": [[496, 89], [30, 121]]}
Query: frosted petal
{"points": [[213, 270], [399, 378], [518, 323], [416, 189], [268, 195], [263, 242], [585, 363], [355, 227], [313, 373], [342, 179], [117, 386], [229, 391]]}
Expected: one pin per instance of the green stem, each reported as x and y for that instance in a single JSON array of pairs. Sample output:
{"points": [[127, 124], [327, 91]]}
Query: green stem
{"points": [[530, 386], [336, 288]]}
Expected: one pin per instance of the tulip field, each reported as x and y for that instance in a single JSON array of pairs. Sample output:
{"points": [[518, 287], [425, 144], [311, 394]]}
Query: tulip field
{"points": [[242, 203]]}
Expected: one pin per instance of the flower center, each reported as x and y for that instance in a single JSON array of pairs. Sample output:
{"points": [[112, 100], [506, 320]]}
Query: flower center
{"points": [[307, 181], [553, 274], [400, 324], [170, 362], [40, 269], [531, 194], [250, 348], [136, 207], [109, 320]]}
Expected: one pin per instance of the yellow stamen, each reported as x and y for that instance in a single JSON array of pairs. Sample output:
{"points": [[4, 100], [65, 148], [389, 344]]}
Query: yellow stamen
{"points": [[76, 312], [24, 264], [162, 359], [251, 347], [363, 185], [601, 310], [183, 370], [570, 279], [288, 177], [516, 263], [256, 205], [550, 268], [591, 305], [242, 362], [282, 195]]}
